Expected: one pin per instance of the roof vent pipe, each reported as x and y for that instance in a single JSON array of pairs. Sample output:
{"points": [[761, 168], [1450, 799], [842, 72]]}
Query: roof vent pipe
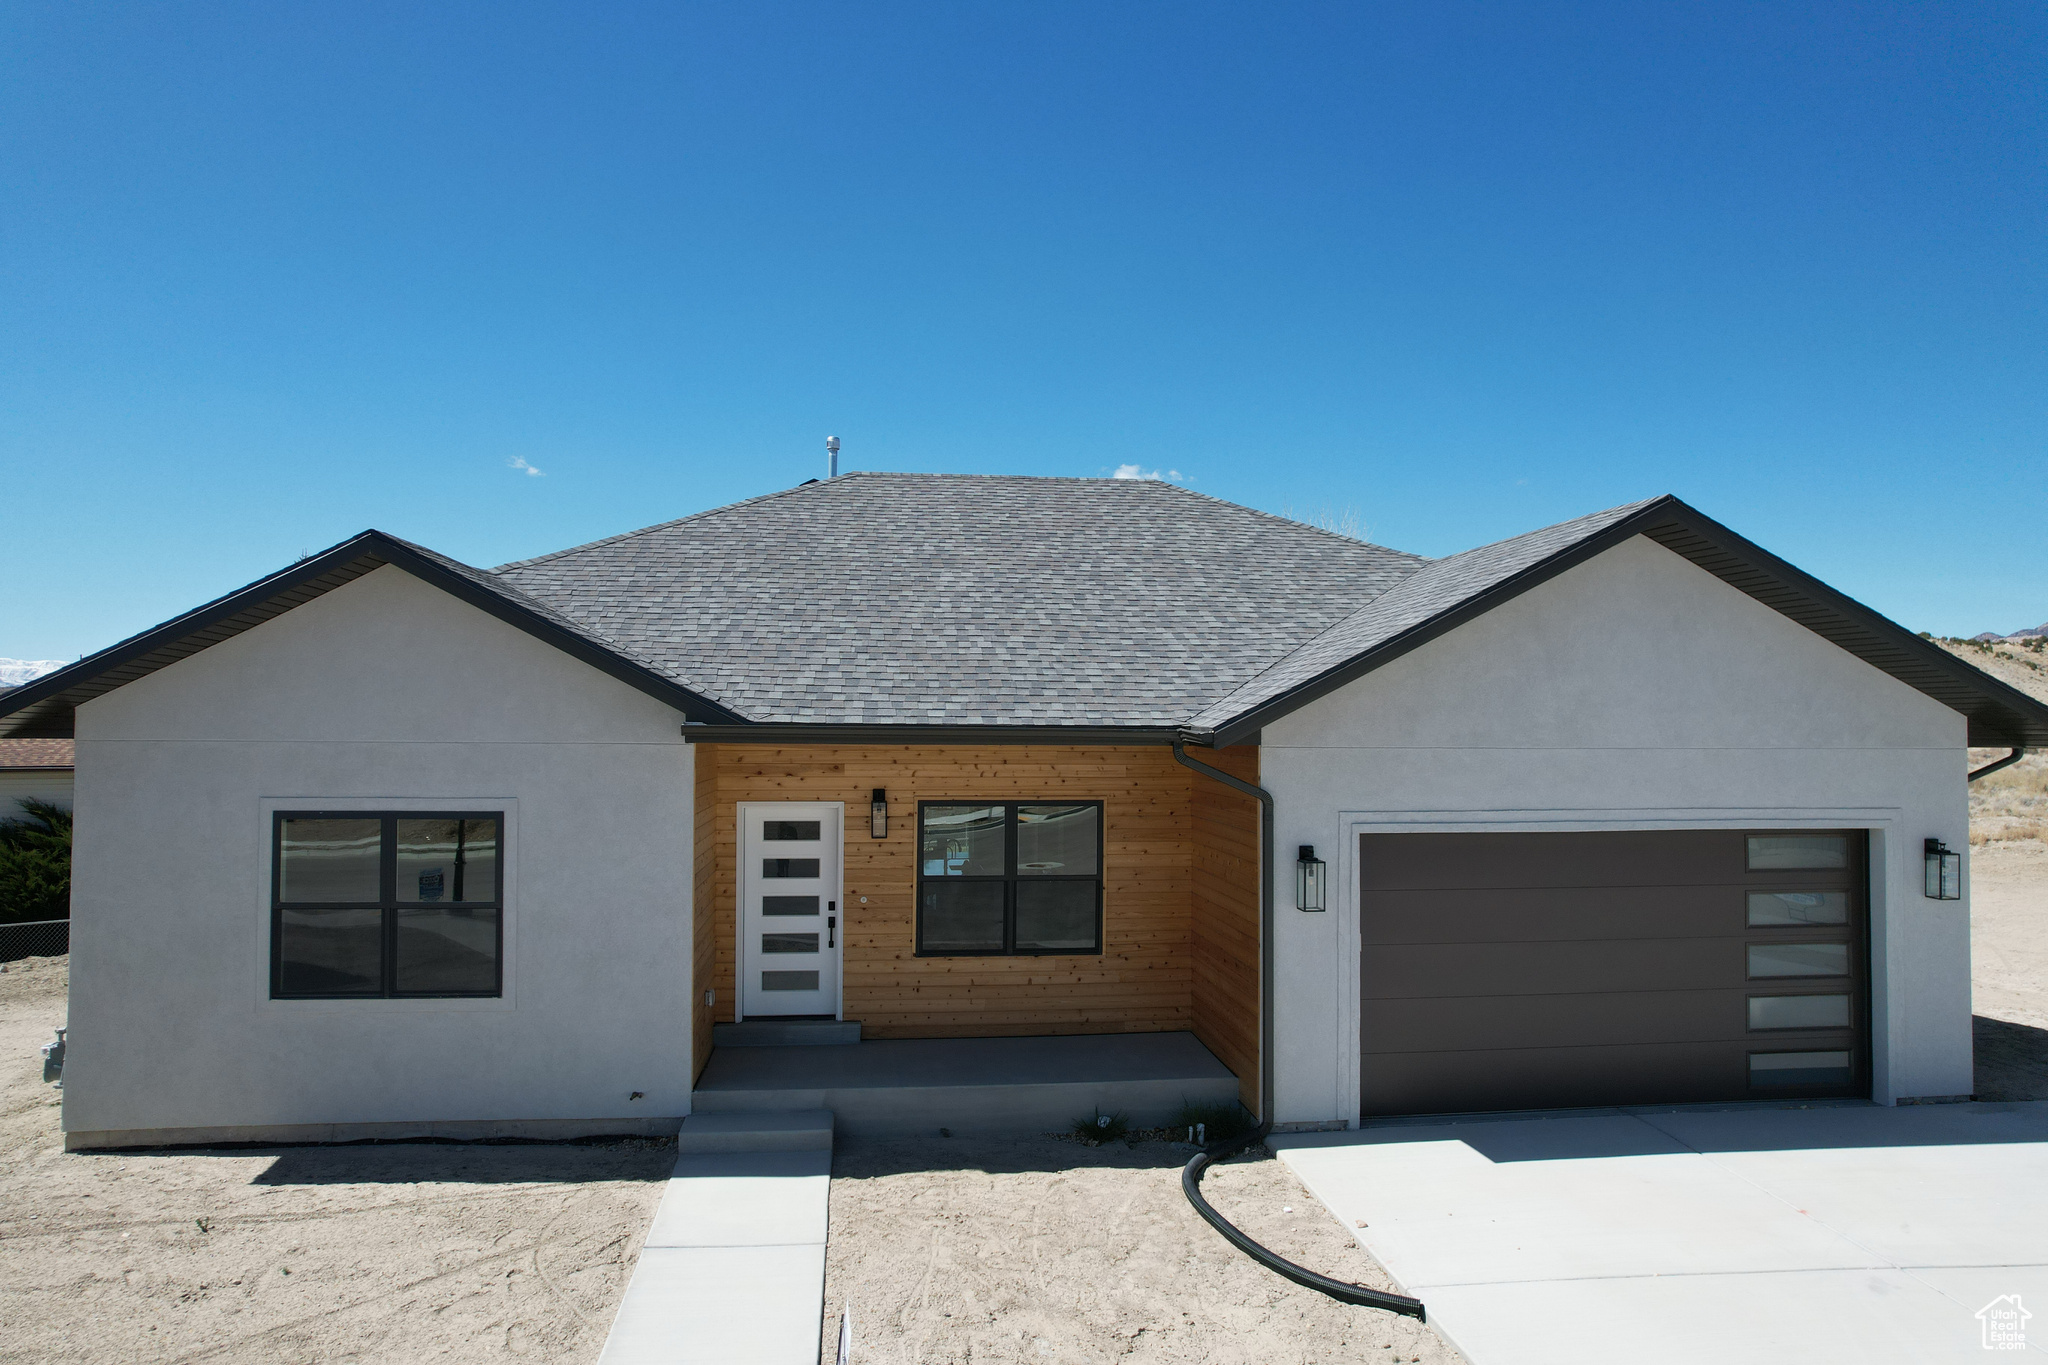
{"points": [[831, 457]]}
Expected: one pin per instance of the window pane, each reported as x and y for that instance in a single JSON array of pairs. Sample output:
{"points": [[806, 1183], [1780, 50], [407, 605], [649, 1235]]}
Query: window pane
{"points": [[325, 861], [789, 905], [1055, 916], [1798, 1011], [789, 943], [1797, 852], [448, 861], [330, 952], [1798, 959], [962, 841], [961, 917], [1798, 907], [1798, 1068], [789, 867], [451, 948], [789, 981], [797, 831], [1057, 840]]}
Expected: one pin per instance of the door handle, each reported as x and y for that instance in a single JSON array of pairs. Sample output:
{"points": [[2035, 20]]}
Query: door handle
{"points": [[831, 924]]}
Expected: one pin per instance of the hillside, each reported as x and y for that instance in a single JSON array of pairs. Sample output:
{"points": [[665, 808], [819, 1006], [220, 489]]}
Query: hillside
{"points": [[2013, 804]]}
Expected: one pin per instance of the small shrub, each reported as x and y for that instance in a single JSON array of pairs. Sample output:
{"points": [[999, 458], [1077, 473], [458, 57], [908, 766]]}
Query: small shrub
{"points": [[1220, 1121], [1099, 1127]]}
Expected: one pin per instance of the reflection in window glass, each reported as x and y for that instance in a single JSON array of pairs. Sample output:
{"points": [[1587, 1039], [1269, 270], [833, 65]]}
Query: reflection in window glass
{"points": [[961, 917], [1798, 852], [1057, 841], [1798, 959], [1798, 1011], [1798, 1068], [448, 949], [789, 905], [789, 943], [962, 841], [792, 831], [1798, 907], [330, 952], [806, 868], [1055, 916], [450, 861], [329, 861]]}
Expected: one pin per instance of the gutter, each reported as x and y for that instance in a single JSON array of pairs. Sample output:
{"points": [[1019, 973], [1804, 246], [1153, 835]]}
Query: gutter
{"points": [[2019, 751], [1191, 1174]]}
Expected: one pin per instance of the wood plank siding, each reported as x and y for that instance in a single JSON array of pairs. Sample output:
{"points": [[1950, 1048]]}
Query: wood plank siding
{"points": [[1159, 969]]}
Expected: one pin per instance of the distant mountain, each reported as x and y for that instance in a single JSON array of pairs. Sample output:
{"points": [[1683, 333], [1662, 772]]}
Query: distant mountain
{"points": [[2028, 634], [15, 672]]}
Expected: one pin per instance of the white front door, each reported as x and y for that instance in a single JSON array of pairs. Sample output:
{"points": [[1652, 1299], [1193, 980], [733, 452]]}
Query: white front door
{"points": [[789, 908]]}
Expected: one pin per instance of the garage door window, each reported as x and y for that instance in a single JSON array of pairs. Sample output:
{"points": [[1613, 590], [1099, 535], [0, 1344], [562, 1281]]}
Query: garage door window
{"points": [[1798, 1011], [1790, 909], [1798, 959], [1781, 1070], [1798, 852]]}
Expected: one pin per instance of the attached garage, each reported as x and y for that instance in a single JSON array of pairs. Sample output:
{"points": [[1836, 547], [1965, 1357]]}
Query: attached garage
{"points": [[1524, 971]]}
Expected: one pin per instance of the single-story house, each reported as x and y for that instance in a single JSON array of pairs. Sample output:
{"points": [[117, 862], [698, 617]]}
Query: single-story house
{"points": [[1626, 809], [33, 770]]}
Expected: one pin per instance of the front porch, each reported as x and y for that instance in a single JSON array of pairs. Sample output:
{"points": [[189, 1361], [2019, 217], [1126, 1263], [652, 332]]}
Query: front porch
{"points": [[979, 1086]]}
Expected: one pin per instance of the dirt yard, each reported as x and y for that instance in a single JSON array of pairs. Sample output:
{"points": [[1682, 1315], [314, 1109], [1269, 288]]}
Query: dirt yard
{"points": [[333, 1254]]}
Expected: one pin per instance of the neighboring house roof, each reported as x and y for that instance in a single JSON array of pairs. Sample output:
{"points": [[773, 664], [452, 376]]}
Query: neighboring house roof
{"points": [[934, 606], [46, 755]]}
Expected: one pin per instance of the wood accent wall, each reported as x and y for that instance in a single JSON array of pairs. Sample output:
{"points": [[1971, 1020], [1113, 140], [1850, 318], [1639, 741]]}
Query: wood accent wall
{"points": [[1224, 876], [1155, 972]]}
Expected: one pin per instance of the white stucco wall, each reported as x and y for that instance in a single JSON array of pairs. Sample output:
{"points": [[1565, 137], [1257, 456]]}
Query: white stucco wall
{"points": [[386, 692], [1634, 691]]}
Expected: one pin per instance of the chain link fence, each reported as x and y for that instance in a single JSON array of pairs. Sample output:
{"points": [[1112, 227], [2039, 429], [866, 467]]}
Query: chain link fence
{"points": [[35, 938]]}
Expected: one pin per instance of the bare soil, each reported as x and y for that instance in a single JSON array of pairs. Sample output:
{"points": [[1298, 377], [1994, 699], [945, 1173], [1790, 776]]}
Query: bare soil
{"points": [[382, 1252], [1045, 1253], [2009, 969]]}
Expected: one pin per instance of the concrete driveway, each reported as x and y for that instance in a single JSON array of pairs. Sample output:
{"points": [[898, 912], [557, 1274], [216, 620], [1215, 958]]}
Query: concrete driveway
{"points": [[1847, 1233]]}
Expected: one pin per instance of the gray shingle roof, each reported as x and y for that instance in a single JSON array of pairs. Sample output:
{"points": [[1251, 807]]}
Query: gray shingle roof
{"points": [[928, 599]]}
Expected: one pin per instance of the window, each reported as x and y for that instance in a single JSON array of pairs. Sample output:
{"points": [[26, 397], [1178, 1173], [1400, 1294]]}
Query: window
{"points": [[1009, 878], [369, 905]]}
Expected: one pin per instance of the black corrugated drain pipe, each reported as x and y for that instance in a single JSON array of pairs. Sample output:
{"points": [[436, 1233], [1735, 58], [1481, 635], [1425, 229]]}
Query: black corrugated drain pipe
{"points": [[1191, 1174]]}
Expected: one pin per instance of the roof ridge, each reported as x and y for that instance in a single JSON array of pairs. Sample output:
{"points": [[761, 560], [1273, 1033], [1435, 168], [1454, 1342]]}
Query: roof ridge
{"points": [[1286, 521]]}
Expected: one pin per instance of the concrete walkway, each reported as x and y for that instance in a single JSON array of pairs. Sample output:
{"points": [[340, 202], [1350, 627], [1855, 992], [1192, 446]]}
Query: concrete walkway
{"points": [[733, 1269], [1853, 1234]]}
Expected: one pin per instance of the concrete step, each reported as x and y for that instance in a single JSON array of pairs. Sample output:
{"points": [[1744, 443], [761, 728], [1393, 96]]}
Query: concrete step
{"points": [[786, 1033], [798, 1130]]}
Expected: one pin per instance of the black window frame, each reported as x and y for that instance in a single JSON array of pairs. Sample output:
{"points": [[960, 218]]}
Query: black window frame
{"points": [[1009, 879], [387, 903]]}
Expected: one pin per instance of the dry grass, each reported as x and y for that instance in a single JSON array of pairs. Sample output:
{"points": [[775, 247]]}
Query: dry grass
{"points": [[2009, 806]]}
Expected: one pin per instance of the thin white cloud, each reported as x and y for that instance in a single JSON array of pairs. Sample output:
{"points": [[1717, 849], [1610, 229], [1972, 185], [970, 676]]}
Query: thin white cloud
{"points": [[519, 462], [1132, 471]]}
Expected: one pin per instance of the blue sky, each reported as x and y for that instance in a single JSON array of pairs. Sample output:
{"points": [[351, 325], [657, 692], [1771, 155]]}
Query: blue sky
{"points": [[273, 274]]}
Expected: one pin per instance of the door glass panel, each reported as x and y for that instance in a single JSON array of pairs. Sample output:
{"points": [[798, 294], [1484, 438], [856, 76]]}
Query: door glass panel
{"points": [[789, 943], [325, 861], [448, 948], [789, 981], [789, 905], [963, 841], [789, 867], [961, 917], [447, 860], [1798, 1068], [330, 952], [1056, 841], [1798, 959], [799, 831], [1798, 907], [1055, 916], [1798, 1011], [1798, 852]]}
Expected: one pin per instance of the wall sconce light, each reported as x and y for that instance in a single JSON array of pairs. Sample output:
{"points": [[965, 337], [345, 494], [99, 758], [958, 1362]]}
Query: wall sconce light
{"points": [[878, 814], [1309, 875], [1944, 872]]}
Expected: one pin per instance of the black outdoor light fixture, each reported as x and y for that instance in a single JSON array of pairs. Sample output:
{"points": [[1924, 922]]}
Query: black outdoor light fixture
{"points": [[1309, 875], [1944, 872], [878, 814]]}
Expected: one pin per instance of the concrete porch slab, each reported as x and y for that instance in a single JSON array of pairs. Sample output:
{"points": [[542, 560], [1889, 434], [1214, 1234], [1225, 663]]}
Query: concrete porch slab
{"points": [[969, 1085], [1842, 1233]]}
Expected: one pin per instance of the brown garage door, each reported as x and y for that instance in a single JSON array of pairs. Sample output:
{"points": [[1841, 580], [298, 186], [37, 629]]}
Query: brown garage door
{"points": [[1526, 971]]}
